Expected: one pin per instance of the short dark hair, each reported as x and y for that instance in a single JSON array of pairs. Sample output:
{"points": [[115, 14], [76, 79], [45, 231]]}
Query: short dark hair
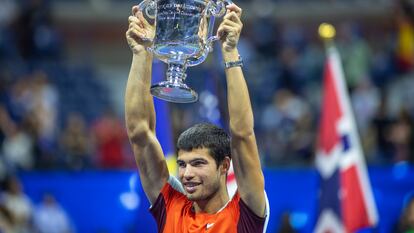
{"points": [[206, 135]]}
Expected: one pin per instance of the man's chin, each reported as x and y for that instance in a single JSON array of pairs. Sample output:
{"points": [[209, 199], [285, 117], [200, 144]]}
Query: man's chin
{"points": [[192, 197]]}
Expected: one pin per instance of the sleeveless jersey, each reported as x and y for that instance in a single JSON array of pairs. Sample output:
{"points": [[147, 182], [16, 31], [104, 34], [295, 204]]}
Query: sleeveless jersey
{"points": [[174, 214]]}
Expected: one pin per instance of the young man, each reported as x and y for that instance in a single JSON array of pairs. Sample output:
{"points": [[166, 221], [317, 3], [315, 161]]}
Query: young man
{"points": [[199, 201]]}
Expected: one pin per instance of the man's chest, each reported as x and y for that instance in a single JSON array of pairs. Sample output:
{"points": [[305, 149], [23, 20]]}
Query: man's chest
{"points": [[183, 222]]}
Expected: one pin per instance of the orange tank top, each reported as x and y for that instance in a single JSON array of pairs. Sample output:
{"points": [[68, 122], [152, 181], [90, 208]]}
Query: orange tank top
{"points": [[173, 214]]}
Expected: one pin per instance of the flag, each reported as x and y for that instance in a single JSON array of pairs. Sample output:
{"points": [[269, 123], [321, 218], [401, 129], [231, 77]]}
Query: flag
{"points": [[346, 199], [405, 43]]}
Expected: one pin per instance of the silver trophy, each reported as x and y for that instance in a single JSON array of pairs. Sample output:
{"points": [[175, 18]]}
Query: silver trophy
{"points": [[183, 38]]}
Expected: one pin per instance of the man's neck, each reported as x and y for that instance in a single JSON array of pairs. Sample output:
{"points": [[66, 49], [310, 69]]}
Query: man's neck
{"points": [[213, 204]]}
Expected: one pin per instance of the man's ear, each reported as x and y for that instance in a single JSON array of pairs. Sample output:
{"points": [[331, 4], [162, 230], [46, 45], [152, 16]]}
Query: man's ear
{"points": [[225, 165]]}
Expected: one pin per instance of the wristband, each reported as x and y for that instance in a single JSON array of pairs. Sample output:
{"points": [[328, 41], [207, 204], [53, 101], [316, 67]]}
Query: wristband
{"points": [[231, 64]]}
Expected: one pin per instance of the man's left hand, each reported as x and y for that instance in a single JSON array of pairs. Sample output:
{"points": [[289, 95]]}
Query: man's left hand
{"points": [[230, 29]]}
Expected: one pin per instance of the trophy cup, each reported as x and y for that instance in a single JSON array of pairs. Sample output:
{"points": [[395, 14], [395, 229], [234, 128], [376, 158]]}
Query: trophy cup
{"points": [[183, 38]]}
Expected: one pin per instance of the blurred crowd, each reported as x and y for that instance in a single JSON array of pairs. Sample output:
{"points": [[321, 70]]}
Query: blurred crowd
{"points": [[18, 214], [52, 116], [55, 116], [378, 67]]}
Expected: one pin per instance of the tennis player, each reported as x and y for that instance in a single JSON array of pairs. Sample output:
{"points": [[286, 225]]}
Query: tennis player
{"points": [[198, 200]]}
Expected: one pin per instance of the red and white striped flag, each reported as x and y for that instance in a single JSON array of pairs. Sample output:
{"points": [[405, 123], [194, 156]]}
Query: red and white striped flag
{"points": [[346, 199]]}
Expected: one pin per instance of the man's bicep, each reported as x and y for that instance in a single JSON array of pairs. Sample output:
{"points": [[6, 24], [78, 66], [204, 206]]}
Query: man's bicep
{"points": [[152, 166], [249, 176]]}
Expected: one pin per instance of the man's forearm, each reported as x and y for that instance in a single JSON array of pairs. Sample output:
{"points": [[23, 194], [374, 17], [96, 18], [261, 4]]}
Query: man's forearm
{"points": [[240, 110], [139, 106]]}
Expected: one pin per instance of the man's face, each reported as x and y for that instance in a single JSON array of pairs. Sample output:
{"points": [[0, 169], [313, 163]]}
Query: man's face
{"points": [[198, 174]]}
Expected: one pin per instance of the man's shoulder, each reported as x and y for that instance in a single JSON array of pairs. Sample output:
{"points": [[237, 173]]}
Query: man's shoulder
{"points": [[169, 198], [173, 191], [175, 184]]}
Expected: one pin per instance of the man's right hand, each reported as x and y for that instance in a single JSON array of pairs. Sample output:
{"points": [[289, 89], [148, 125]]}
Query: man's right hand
{"points": [[140, 33]]}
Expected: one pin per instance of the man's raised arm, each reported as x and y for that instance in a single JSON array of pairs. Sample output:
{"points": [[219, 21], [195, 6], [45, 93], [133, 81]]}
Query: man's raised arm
{"points": [[139, 110], [245, 156]]}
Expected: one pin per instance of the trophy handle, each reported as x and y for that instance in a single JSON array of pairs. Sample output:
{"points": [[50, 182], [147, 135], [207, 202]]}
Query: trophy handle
{"points": [[149, 10], [149, 7], [214, 9]]}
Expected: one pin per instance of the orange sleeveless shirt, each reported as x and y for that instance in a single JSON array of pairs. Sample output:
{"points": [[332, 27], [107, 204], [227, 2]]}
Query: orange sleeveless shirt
{"points": [[173, 214]]}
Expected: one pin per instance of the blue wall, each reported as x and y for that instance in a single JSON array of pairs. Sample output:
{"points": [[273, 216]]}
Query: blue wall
{"points": [[114, 202]]}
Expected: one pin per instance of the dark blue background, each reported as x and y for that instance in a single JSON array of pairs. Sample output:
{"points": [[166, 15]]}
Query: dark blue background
{"points": [[93, 198]]}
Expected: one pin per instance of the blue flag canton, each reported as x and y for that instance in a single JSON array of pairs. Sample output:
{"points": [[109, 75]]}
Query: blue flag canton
{"points": [[330, 196]]}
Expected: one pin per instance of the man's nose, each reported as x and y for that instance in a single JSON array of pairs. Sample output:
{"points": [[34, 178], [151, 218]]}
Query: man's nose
{"points": [[188, 172]]}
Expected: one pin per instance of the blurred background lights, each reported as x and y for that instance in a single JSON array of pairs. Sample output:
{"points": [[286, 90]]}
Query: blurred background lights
{"points": [[327, 31], [299, 220], [133, 180], [400, 170], [130, 200], [209, 107]]}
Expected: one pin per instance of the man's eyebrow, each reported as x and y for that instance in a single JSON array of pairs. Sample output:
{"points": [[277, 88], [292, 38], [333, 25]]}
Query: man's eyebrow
{"points": [[198, 160], [192, 160]]}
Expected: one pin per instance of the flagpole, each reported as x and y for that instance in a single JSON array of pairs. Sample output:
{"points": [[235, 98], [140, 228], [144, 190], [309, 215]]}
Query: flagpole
{"points": [[327, 32]]}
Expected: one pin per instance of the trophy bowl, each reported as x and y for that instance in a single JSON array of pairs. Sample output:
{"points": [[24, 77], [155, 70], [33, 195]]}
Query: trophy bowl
{"points": [[183, 38]]}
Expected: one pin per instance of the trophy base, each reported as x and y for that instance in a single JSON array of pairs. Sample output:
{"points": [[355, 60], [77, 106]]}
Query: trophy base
{"points": [[172, 92]]}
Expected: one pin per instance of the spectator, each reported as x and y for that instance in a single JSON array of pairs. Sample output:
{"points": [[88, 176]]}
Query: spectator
{"points": [[8, 13], [75, 143], [401, 137], [34, 32], [285, 226], [6, 221], [110, 139], [8, 9], [50, 217], [355, 53], [285, 124], [44, 105], [380, 126], [365, 102], [18, 204], [18, 149], [406, 223]]}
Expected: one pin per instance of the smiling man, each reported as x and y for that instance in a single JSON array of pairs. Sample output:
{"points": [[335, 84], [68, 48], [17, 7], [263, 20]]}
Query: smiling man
{"points": [[198, 201]]}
